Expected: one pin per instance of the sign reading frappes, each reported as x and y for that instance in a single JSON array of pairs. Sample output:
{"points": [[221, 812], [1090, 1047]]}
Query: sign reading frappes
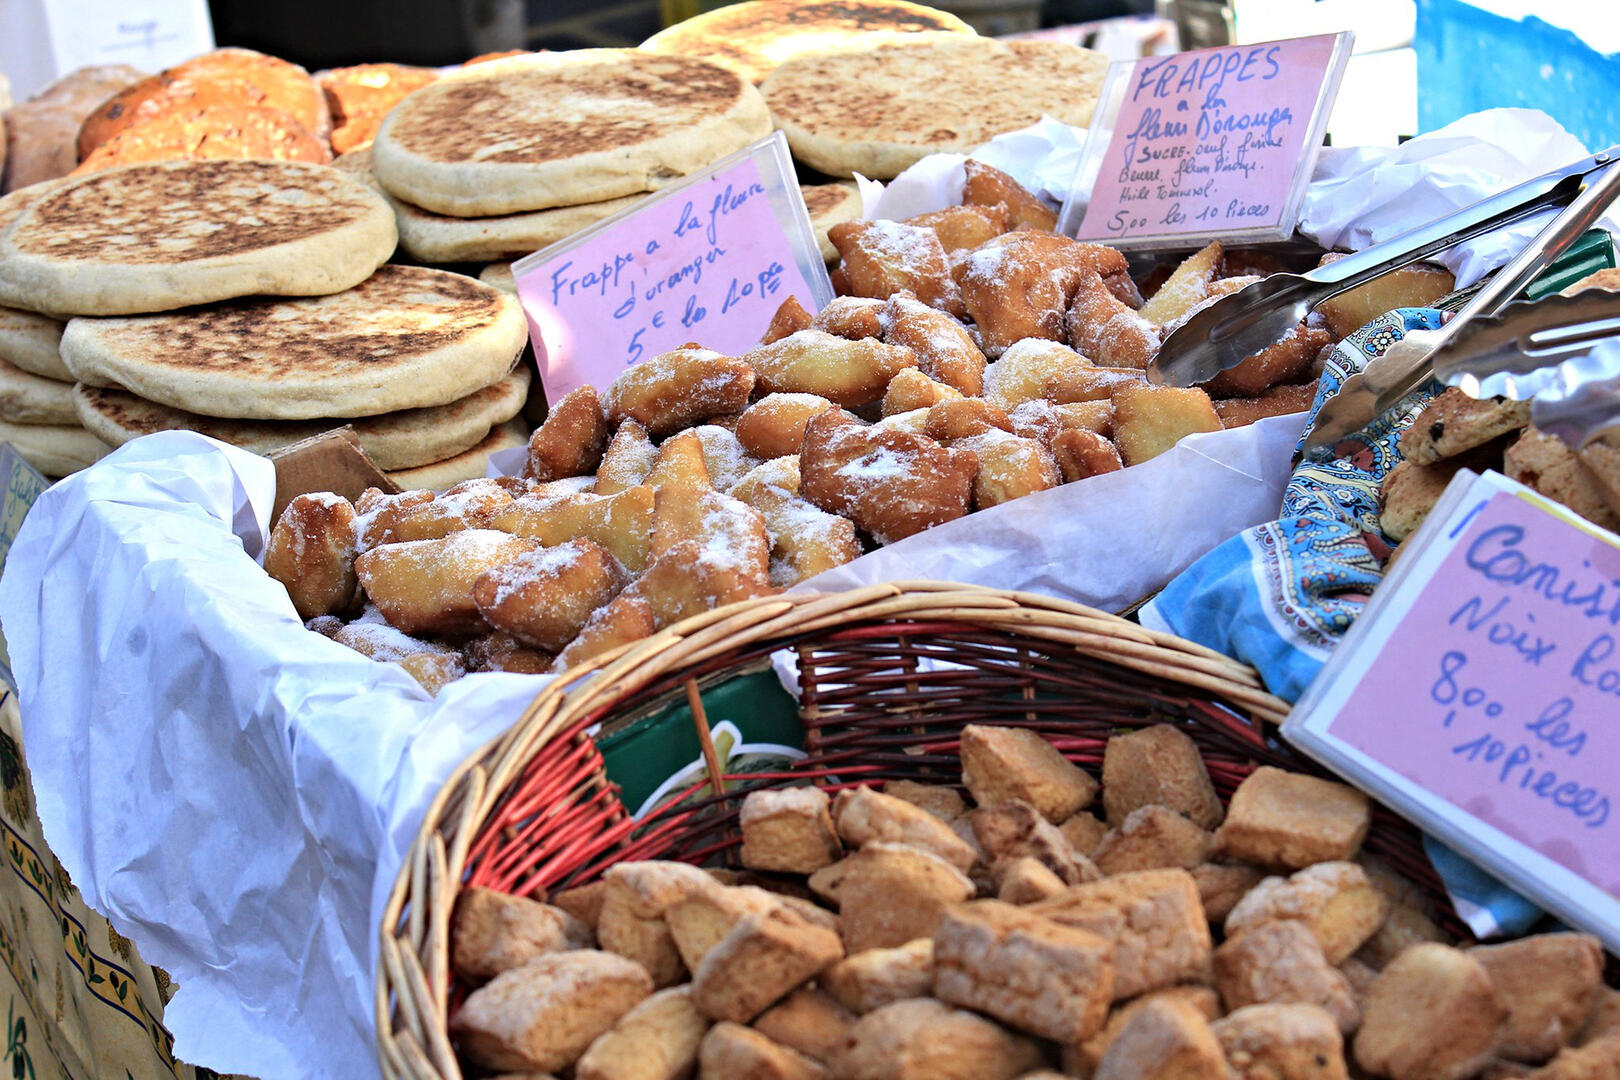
{"points": [[1479, 695], [1213, 143], [708, 260]]}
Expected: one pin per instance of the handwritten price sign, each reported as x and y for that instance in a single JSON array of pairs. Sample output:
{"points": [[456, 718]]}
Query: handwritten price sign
{"points": [[1483, 697], [1217, 142], [709, 261]]}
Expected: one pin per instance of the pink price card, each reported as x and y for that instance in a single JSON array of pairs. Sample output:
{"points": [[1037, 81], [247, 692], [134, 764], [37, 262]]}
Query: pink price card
{"points": [[708, 260], [1211, 144], [1479, 695]]}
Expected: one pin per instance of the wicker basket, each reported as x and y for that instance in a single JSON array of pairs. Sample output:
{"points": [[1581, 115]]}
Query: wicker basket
{"points": [[888, 676]]}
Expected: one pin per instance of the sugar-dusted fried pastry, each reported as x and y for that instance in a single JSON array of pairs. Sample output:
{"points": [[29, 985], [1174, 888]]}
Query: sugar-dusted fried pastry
{"points": [[871, 979], [889, 894], [1027, 971], [1104, 328], [914, 422], [962, 418], [1010, 467], [1158, 765], [1081, 454], [491, 932], [540, 1016], [1165, 1039], [789, 829], [883, 257], [852, 317], [1148, 420], [945, 350], [1549, 983], [890, 483], [987, 186], [813, 361], [1290, 820], [790, 318], [1000, 763], [679, 388], [805, 540], [1152, 837], [773, 426], [1158, 928], [1031, 369], [622, 523], [500, 651], [692, 577], [1083, 383], [1282, 1042], [728, 530], [625, 620], [766, 955], [1277, 401], [1414, 285], [864, 816], [1020, 285], [391, 519], [429, 664], [724, 457], [1432, 1014], [681, 464], [924, 1039], [1043, 421], [1186, 287], [1285, 362], [911, 389], [311, 552], [731, 1050], [546, 596], [426, 585], [1282, 962], [656, 1040], [571, 440], [964, 227], [627, 461]]}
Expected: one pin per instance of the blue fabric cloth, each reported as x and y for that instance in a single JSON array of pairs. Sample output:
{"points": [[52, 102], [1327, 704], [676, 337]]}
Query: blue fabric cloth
{"points": [[1279, 596]]}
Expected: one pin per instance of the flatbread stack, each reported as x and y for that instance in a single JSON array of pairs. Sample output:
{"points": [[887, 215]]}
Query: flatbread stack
{"points": [[497, 160], [753, 38], [878, 110]]}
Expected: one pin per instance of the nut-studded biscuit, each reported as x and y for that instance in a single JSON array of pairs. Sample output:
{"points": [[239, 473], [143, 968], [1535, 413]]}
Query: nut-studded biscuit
{"points": [[1290, 820], [923, 1039], [1334, 899], [571, 440], [1029, 972], [890, 483], [1432, 1014], [491, 932], [1549, 983], [1454, 422], [845, 372], [766, 955], [1166, 1039], [702, 918], [1282, 962], [808, 1021], [656, 1040], [1083, 832], [1081, 1059], [1152, 837], [732, 1051], [1222, 885], [1014, 829], [679, 388], [944, 349], [882, 258], [788, 829], [864, 816], [872, 979], [1159, 931], [891, 894], [1158, 765], [542, 1015], [311, 552], [1282, 1042], [1000, 763]]}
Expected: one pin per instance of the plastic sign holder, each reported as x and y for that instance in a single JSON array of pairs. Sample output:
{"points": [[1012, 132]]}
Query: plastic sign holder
{"points": [[1479, 695], [708, 260], [1212, 144]]}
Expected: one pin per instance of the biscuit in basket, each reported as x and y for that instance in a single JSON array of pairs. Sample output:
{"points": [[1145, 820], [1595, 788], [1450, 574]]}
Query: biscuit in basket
{"points": [[491, 932], [766, 955], [891, 894], [1081, 1059], [571, 440], [679, 388], [1029, 972], [631, 922], [1166, 1039], [1013, 829], [1159, 931], [1549, 983], [1334, 899], [944, 349], [844, 371], [1541, 461], [882, 258], [1158, 765], [1282, 1042], [426, 585], [788, 829], [730, 1050], [924, 1039], [1604, 1019], [1000, 763], [656, 1040], [1290, 820], [546, 597], [874, 978], [985, 185], [1222, 885], [1432, 1013], [1454, 422], [1024, 880], [939, 800], [808, 1021], [311, 552], [542, 1015], [1282, 962], [852, 317], [1601, 460], [892, 484], [1150, 838], [1083, 832], [864, 816]]}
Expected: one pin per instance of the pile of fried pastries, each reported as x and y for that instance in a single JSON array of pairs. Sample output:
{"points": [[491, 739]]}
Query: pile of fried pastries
{"points": [[902, 935], [974, 357]]}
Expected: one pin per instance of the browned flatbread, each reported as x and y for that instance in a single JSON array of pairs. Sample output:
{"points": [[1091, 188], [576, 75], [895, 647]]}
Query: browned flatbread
{"points": [[829, 205], [214, 133]]}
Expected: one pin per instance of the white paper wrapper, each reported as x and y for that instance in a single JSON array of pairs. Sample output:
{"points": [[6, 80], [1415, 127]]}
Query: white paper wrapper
{"points": [[234, 792]]}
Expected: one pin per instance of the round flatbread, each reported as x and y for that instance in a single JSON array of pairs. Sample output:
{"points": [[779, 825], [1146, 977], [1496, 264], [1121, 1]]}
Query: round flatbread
{"points": [[468, 465], [830, 204], [406, 338], [33, 343], [499, 274], [214, 133], [438, 238], [54, 449], [561, 129], [26, 398], [879, 110], [157, 237], [753, 38], [399, 440]]}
